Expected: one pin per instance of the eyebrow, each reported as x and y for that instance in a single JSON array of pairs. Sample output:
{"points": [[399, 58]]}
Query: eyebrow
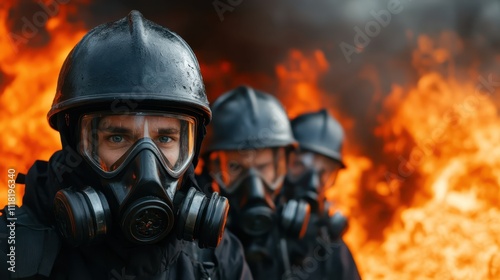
{"points": [[264, 164], [116, 129], [170, 130], [124, 130]]}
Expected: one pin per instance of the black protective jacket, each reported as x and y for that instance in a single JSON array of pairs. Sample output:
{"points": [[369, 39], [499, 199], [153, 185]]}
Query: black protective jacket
{"points": [[39, 253], [317, 256], [313, 257]]}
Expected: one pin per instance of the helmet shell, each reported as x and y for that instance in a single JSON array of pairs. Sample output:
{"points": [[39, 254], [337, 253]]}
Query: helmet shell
{"points": [[129, 64], [319, 132], [245, 118]]}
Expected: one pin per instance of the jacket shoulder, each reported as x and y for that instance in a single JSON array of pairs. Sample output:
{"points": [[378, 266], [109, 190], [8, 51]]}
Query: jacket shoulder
{"points": [[231, 258], [28, 248]]}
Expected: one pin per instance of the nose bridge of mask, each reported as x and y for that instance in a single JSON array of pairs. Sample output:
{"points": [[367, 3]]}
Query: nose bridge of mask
{"points": [[255, 185], [255, 188], [143, 149], [307, 181], [143, 176], [306, 187], [312, 179], [146, 171]]}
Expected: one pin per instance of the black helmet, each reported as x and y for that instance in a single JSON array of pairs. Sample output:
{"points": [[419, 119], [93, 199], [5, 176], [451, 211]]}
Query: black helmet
{"points": [[245, 119], [127, 65], [320, 133]]}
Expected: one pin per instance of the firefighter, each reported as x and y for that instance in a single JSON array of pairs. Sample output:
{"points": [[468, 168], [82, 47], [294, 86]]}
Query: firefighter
{"points": [[312, 170], [246, 159], [120, 201]]}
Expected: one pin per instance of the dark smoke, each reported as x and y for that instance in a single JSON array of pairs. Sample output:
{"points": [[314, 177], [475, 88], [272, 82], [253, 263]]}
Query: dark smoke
{"points": [[256, 35], [5, 80]]}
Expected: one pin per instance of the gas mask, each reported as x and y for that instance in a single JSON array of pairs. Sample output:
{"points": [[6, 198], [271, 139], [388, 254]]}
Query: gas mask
{"points": [[140, 158], [310, 175], [306, 187], [252, 190], [334, 221]]}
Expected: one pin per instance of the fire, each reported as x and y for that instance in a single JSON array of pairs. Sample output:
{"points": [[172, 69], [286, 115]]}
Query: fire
{"points": [[298, 81], [28, 77], [428, 210], [445, 132], [222, 76]]}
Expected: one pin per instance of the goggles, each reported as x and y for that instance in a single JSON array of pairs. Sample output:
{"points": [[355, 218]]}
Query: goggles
{"points": [[229, 168], [326, 168], [110, 140]]}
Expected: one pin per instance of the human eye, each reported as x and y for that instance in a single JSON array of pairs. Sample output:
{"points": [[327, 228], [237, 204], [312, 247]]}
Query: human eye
{"points": [[116, 138], [265, 166], [234, 167], [115, 141], [165, 139]]}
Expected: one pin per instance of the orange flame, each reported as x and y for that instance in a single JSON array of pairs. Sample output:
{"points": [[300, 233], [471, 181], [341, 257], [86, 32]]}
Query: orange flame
{"points": [[298, 82], [28, 91], [449, 232], [442, 135], [448, 131]]}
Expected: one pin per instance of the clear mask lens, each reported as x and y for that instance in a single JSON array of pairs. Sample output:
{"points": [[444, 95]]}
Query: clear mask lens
{"points": [[301, 162], [107, 139], [230, 167]]}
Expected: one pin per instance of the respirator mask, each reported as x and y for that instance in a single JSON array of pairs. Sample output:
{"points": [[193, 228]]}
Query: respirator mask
{"points": [[309, 177], [252, 179], [140, 158]]}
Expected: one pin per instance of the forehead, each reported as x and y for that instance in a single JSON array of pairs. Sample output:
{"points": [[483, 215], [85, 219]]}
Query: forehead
{"points": [[249, 156], [138, 120], [315, 159]]}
